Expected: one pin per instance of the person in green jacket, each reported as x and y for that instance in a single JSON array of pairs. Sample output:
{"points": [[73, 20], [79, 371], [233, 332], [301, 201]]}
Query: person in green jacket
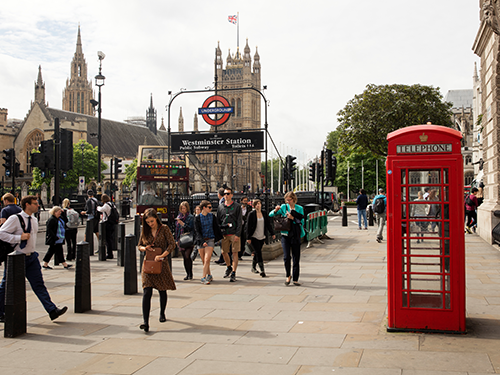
{"points": [[290, 240]]}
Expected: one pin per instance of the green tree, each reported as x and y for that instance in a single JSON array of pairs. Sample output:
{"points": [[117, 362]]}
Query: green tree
{"points": [[131, 173], [356, 161], [71, 180], [367, 118]]}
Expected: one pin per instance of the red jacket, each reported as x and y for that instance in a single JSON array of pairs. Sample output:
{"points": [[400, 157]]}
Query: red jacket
{"points": [[474, 200]]}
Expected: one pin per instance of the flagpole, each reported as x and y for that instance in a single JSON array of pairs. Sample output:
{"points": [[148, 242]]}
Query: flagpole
{"points": [[238, 29]]}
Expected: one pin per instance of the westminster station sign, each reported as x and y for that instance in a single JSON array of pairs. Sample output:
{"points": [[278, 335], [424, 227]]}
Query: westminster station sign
{"points": [[211, 142]]}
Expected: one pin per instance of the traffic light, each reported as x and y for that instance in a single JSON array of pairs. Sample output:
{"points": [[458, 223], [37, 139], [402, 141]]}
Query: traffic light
{"points": [[333, 168], [118, 167], [291, 166], [37, 160], [66, 163], [319, 171], [47, 150], [285, 174], [312, 172], [327, 156], [9, 158], [17, 170]]}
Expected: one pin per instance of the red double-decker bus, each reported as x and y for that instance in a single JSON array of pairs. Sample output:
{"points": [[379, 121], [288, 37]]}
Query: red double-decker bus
{"points": [[155, 182]]}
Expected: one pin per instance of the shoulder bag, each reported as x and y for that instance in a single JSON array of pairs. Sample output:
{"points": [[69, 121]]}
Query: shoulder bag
{"points": [[282, 224], [151, 266], [186, 240]]}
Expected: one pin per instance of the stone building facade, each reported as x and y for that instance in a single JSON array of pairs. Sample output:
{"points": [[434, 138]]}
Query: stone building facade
{"points": [[486, 46]]}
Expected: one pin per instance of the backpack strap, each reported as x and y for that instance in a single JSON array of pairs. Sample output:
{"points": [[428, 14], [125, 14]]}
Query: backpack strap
{"points": [[21, 221]]}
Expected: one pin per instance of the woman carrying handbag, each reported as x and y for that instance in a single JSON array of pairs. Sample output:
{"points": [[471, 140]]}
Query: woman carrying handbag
{"points": [[155, 238], [184, 236], [290, 239], [258, 224]]}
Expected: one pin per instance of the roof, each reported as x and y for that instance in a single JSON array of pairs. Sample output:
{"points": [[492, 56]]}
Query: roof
{"points": [[460, 98], [118, 138]]}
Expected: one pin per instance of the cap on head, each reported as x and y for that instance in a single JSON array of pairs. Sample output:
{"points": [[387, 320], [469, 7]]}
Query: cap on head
{"points": [[90, 192], [380, 190]]}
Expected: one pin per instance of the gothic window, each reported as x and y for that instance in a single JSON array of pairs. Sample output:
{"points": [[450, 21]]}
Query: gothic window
{"points": [[238, 107], [468, 160], [78, 102], [79, 70], [32, 142], [469, 176]]}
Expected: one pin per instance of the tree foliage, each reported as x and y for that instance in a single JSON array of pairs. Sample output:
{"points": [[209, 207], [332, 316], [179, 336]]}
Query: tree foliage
{"points": [[89, 164], [131, 173], [362, 168], [367, 118]]}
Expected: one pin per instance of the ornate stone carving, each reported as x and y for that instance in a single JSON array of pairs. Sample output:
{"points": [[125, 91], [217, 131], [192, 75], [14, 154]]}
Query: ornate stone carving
{"points": [[490, 13]]}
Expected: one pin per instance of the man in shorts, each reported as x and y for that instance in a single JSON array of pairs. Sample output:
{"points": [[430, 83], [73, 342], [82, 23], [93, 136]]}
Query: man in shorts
{"points": [[91, 211], [230, 222]]}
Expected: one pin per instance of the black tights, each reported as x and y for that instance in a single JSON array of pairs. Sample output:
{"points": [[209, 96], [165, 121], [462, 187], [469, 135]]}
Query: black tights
{"points": [[188, 262], [146, 302]]}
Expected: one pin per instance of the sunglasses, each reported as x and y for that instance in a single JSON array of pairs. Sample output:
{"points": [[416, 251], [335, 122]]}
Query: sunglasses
{"points": [[228, 193], [209, 206]]}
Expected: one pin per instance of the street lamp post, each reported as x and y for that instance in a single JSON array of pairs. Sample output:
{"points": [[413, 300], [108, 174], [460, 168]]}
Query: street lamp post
{"points": [[82, 146], [99, 82]]}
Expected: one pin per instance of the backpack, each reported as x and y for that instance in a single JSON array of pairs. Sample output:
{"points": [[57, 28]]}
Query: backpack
{"points": [[379, 206], [73, 217], [469, 202], [5, 247], [113, 217]]}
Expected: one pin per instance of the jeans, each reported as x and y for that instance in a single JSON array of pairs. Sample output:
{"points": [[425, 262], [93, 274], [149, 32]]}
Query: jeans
{"points": [[291, 251], [35, 278], [362, 214]]}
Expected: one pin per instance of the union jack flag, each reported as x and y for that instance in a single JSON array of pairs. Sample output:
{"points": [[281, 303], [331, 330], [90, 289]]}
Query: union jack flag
{"points": [[233, 19]]}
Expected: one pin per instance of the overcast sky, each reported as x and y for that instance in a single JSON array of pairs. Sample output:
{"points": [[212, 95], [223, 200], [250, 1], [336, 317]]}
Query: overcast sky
{"points": [[315, 55]]}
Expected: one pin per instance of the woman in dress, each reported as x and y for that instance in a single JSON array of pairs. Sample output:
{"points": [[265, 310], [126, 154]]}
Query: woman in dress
{"points": [[258, 225], [184, 223], [154, 234], [54, 237], [207, 232], [290, 240]]}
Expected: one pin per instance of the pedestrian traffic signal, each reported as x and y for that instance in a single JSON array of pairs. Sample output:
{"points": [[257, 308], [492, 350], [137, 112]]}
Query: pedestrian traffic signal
{"points": [[118, 167], [37, 160], [333, 168], [319, 171], [66, 159], [17, 170], [291, 166], [312, 172], [9, 158], [47, 150]]}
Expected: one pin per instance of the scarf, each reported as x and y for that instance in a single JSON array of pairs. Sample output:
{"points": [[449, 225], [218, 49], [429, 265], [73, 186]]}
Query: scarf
{"points": [[179, 229]]}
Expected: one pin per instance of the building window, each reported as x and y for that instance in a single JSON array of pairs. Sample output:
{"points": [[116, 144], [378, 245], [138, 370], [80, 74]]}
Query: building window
{"points": [[468, 178], [238, 107], [79, 70]]}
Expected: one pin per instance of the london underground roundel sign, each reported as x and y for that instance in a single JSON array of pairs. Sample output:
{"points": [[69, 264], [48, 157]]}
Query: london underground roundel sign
{"points": [[216, 111]]}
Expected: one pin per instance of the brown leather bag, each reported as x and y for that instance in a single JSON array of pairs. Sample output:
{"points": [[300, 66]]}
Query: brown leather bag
{"points": [[150, 265]]}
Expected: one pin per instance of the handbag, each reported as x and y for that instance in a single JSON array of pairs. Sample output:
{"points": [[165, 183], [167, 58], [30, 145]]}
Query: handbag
{"points": [[186, 240], [151, 266], [282, 224]]}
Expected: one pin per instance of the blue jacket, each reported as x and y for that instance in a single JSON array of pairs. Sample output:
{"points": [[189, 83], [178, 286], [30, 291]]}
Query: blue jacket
{"points": [[362, 201], [382, 196], [286, 208]]}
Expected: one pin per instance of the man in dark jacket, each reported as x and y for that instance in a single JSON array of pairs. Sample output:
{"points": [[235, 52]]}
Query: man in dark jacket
{"points": [[245, 211], [230, 222]]}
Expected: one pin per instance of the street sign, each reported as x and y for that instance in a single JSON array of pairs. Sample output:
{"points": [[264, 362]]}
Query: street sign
{"points": [[225, 109], [81, 183], [210, 142]]}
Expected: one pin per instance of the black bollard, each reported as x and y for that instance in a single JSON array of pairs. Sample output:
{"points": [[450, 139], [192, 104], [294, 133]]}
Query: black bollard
{"points": [[120, 256], [370, 216], [137, 228], [82, 278], [130, 269], [101, 248], [15, 296], [344, 216], [89, 235]]}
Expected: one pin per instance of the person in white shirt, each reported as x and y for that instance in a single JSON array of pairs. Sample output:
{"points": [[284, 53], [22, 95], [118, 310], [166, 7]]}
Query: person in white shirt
{"points": [[25, 240], [105, 209]]}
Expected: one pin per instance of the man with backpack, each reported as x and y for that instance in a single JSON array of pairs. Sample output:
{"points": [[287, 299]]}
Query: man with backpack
{"points": [[471, 204], [91, 211], [379, 208], [111, 218]]}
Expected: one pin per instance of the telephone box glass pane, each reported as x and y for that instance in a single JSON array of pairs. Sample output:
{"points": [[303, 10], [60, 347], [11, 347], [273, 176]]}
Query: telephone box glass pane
{"points": [[447, 265], [446, 229], [424, 176], [445, 176], [426, 282], [427, 247], [447, 301], [447, 282], [403, 211], [403, 177], [425, 264], [403, 194], [405, 299], [419, 210], [446, 214], [427, 300], [446, 194], [446, 247], [414, 194]]}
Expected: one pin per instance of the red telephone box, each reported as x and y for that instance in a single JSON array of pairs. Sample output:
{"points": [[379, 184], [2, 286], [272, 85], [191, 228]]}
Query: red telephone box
{"points": [[425, 230]]}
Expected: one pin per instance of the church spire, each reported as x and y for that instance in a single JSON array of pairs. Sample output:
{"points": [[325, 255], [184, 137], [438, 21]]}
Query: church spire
{"points": [[40, 87], [151, 117], [79, 49], [181, 121]]}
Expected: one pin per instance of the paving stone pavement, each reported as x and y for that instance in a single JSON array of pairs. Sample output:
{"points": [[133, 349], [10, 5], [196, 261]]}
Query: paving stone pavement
{"points": [[335, 323]]}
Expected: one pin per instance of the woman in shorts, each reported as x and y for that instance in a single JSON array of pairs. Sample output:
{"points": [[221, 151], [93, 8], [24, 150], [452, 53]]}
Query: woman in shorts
{"points": [[207, 232]]}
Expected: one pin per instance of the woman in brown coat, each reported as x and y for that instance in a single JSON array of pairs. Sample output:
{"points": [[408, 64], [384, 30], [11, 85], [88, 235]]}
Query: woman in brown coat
{"points": [[154, 234]]}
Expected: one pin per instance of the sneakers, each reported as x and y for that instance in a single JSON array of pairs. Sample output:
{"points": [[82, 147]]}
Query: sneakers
{"points": [[468, 230], [205, 281], [379, 240], [233, 277], [263, 274], [228, 272], [209, 278]]}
